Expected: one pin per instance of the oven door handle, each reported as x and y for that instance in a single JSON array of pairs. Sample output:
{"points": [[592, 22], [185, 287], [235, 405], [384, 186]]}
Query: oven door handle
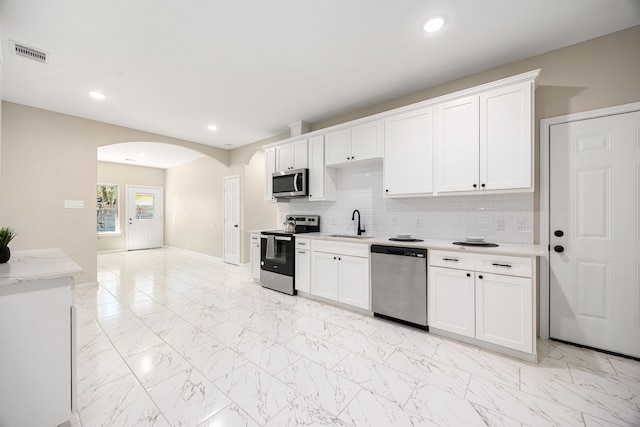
{"points": [[286, 239], [295, 182]]}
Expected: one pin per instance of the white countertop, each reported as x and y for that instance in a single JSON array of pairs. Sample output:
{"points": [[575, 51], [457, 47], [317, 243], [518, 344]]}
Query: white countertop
{"points": [[502, 249], [35, 264]]}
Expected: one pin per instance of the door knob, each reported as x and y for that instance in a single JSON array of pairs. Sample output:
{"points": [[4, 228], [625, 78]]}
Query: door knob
{"points": [[558, 248], [558, 233]]}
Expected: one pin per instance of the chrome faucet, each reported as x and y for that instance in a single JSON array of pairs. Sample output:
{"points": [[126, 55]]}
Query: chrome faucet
{"points": [[353, 217]]}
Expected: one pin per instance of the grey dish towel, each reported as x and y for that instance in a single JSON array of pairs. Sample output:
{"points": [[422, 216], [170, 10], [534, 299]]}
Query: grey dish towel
{"points": [[271, 247]]}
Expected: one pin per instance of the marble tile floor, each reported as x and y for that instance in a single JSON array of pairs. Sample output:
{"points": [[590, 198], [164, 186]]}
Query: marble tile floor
{"points": [[171, 338]]}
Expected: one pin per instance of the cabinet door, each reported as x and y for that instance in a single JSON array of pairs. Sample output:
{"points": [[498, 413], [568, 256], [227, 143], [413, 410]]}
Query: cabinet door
{"points": [[299, 154], [303, 271], [457, 145], [452, 300], [255, 256], [316, 168], [366, 141], [506, 138], [354, 281], [269, 168], [338, 147], [322, 181], [284, 156], [504, 311], [408, 153], [324, 275]]}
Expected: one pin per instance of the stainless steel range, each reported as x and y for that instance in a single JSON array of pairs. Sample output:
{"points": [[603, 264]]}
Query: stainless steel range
{"points": [[277, 254]]}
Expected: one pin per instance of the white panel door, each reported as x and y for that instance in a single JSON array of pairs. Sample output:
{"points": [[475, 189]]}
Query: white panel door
{"points": [[145, 217], [595, 234], [232, 219]]}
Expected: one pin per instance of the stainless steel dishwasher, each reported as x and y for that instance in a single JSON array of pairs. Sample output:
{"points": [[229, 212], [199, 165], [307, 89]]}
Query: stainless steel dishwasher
{"points": [[399, 284]]}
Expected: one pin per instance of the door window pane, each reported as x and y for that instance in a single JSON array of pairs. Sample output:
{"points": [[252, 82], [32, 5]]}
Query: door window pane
{"points": [[144, 206], [107, 204]]}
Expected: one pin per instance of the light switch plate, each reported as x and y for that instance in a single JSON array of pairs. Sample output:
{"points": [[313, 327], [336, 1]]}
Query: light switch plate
{"points": [[74, 204]]}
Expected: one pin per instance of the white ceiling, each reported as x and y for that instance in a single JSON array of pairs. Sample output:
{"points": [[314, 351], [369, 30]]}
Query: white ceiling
{"points": [[254, 67]]}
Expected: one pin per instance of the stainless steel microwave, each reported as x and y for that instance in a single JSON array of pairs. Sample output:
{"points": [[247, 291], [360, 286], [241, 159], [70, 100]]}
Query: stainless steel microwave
{"points": [[290, 183]]}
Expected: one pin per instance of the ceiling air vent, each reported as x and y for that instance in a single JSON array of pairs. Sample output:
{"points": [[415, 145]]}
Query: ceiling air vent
{"points": [[29, 52]]}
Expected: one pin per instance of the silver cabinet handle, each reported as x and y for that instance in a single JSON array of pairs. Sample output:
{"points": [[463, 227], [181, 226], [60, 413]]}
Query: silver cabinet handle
{"points": [[302, 243], [495, 264], [451, 259]]}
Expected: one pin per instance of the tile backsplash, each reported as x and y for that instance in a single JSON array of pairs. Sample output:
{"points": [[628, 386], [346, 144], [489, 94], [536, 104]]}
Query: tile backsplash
{"points": [[506, 218]]}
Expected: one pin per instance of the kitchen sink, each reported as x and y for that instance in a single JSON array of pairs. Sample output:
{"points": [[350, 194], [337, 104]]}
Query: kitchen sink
{"points": [[350, 236]]}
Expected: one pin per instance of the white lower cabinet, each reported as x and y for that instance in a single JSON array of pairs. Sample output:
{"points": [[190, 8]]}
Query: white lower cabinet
{"points": [[504, 311], [468, 298], [324, 275], [340, 272], [353, 281], [255, 256], [452, 301], [303, 265]]}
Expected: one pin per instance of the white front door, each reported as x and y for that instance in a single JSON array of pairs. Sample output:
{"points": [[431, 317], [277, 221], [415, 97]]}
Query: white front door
{"points": [[232, 219], [145, 217], [595, 233]]}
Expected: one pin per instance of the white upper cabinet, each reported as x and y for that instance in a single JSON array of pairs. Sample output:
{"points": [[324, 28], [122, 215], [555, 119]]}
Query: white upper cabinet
{"points": [[269, 168], [457, 145], [408, 159], [367, 141], [484, 142], [321, 180], [362, 142], [506, 138], [291, 156]]}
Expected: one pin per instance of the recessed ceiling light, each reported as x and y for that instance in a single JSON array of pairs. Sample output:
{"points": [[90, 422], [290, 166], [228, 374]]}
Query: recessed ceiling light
{"points": [[141, 154], [434, 24], [97, 95], [212, 127], [227, 145]]}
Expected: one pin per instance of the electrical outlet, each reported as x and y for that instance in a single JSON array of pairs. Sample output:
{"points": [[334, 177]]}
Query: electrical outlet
{"points": [[519, 224], [393, 220], [418, 222], [499, 224]]}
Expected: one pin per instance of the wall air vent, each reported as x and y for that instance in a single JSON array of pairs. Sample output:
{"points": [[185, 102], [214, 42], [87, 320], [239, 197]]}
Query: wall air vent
{"points": [[29, 52]]}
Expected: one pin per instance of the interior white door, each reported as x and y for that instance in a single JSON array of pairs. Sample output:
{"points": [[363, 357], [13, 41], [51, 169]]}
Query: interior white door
{"points": [[595, 233], [232, 219], [145, 217]]}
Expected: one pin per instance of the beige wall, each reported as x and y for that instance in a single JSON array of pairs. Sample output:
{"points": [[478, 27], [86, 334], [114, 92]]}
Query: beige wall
{"points": [[123, 175], [194, 206], [48, 158]]}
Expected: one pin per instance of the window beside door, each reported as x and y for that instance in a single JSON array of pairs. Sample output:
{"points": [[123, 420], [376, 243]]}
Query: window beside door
{"points": [[107, 208]]}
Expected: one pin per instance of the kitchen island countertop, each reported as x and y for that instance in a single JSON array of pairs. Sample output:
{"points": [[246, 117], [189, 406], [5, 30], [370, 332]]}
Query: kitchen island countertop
{"points": [[28, 266]]}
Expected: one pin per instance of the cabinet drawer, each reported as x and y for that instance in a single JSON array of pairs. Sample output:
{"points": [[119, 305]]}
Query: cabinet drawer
{"points": [[503, 264], [341, 248], [460, 260], [304, 244]]}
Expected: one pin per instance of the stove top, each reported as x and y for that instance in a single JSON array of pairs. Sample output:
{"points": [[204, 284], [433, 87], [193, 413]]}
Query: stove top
{"points": [[304, 224]]}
